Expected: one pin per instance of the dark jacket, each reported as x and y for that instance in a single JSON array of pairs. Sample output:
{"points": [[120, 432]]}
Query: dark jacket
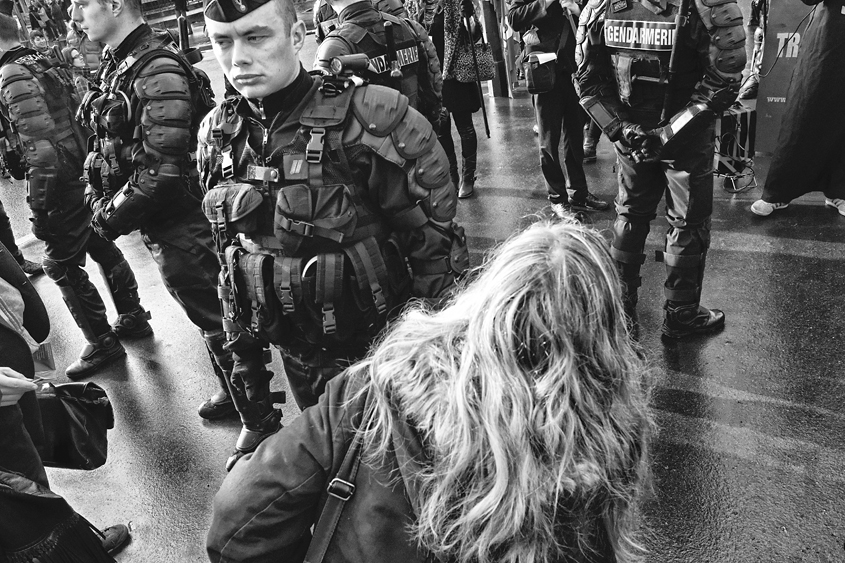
{"points": [[552, 26], [268, 503]]}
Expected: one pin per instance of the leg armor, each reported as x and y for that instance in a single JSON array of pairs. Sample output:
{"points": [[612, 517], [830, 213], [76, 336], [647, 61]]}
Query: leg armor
{"points": [[249, 387], [81, 298], [629, 236]]}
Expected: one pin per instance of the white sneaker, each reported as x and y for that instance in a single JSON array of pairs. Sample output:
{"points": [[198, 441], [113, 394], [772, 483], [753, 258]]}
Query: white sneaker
{"points": [[764, 208], [837, 204]]}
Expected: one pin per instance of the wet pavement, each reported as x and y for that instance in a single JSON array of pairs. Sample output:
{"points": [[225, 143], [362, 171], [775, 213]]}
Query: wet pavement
{"points": [[749, 464]]}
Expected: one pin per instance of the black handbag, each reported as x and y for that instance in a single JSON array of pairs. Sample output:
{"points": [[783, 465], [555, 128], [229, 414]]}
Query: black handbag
{"points": [[76, 418]]}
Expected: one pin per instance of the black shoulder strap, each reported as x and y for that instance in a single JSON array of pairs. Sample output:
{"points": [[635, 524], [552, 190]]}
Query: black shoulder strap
{"points": [[340, 490]]}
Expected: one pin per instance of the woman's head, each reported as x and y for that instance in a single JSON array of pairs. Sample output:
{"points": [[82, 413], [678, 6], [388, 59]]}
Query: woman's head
{"points": [[528, 396], [38, 40]]}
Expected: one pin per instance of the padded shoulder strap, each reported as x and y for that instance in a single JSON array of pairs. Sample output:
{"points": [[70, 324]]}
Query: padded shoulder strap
{"points": [[327, 111]]}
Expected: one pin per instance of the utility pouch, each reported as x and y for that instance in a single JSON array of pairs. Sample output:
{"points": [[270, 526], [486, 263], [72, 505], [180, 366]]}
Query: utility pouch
{"points": [[38, 184], [308, 218], [240, 204]]}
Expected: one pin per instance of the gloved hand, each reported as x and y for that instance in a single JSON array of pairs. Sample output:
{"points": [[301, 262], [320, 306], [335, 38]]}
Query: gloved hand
{"points": [[101, 226], [94, 198], [467, 8], [645, 145]]}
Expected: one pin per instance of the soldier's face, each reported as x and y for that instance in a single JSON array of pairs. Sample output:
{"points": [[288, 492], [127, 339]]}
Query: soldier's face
{"points": [[95, 19], [257, 52]]}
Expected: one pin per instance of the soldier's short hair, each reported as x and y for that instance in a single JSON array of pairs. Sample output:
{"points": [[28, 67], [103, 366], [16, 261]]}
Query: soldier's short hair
{"points": [[133, 5], [286, 9]]}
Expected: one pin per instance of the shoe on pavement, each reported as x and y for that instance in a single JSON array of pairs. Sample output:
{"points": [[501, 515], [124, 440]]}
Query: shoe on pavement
{"points": [[837, 203], [764, 208], [31, 268], [114, 538], [687, 319], [133, 325], [590, 203], [217, 406], [564, 212], [95, 356]]}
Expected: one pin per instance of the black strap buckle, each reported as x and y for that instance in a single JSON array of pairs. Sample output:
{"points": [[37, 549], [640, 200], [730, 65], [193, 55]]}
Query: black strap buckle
{"points": [[341, 489], [314, 150]]}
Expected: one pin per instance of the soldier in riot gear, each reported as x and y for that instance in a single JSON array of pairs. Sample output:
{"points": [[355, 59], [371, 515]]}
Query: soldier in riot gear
{"points": [[331, 204], [401, 54], [654, 75], [43, 144], [145, 109], [325, 16]]}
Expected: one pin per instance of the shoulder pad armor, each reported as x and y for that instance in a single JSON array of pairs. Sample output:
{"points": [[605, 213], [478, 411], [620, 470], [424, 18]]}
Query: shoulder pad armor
{"points": [[349, 31], [162, 78], [379, 109], [413, 136], [14, 72]]}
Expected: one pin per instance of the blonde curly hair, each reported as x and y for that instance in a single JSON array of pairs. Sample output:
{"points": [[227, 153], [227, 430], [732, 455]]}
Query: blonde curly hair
{"points": [[530, 400]]}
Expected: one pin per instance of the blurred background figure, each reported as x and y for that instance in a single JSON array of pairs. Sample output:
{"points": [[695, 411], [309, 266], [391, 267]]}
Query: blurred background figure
{"points": [[810, 151], [460, 99], [756, 33], [7, 238], [511, 426]]}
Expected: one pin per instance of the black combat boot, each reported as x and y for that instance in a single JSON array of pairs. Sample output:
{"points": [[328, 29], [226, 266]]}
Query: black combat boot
{"points": [[95, 355], [468, 177], [686, 319]]}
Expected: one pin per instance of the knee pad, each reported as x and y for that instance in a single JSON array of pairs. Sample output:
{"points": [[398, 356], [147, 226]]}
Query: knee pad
{"points": [[56, 271], [629, 236]]}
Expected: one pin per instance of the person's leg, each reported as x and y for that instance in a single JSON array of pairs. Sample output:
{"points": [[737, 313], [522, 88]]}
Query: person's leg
{"points": [[444, 135], [469, 152], [592, 134], [7, 238], [548, 111], [573, 151], [132, 320], [641, 187], [689, 206], [189, 268]]}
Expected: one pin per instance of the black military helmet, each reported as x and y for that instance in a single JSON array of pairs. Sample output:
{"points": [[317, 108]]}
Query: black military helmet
{"points": [[229, 10]]}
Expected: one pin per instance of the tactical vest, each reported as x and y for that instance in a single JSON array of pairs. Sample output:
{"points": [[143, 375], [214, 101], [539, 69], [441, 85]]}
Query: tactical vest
{"points": [[59, 93], [640, 43], [325, 18], [371, 41], [313, 262], [110, 108]]}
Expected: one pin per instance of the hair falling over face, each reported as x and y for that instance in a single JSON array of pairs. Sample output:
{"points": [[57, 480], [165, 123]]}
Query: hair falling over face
{"points": [[531, 403]]}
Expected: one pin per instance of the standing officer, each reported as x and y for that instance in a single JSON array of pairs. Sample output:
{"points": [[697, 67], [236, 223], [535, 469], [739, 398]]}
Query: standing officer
{"points": [[559, 118], [401, 54], [44, 144], [629, 88], [332, 206], [325, 16], [145, 112]]}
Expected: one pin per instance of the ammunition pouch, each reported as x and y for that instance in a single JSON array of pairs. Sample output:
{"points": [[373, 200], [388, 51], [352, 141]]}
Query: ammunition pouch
{"points": [[237, 205], [331, 299], [308, 217]]}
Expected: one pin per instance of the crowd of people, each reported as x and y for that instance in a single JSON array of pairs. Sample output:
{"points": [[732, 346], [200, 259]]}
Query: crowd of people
{"points": [[493, 415]]}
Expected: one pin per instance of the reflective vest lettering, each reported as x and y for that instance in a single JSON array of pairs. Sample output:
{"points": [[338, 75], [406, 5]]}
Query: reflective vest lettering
{"points": [[640, 35]]}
